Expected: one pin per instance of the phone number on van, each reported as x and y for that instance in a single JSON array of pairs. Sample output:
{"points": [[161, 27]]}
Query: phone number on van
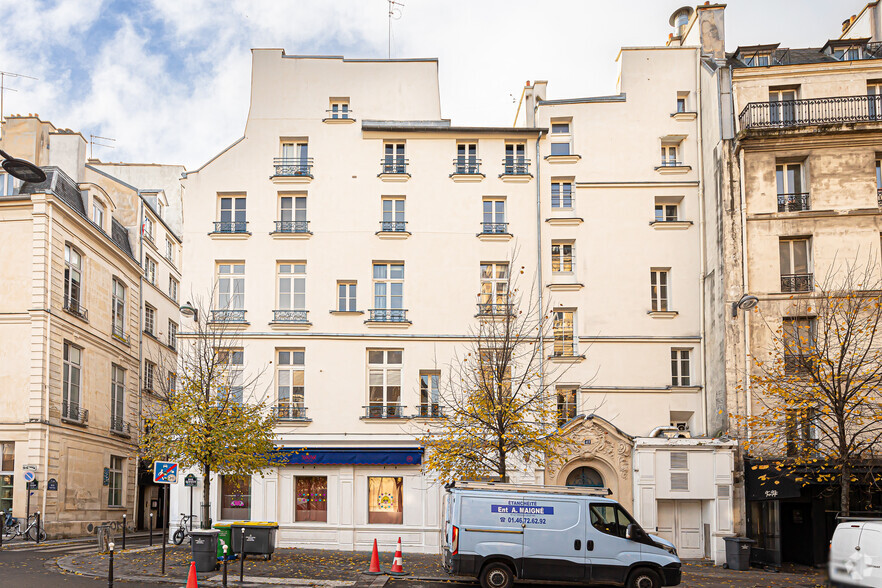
{"points": [[524, 520]]}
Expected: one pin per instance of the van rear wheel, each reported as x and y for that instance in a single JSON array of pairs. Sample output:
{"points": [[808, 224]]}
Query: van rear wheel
{"points": [[497, 575], [644, 578]]}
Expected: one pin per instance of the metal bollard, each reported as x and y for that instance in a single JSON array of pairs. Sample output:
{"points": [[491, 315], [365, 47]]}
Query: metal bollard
{"points": [[110, 567], [124, 531], [225, 566], [242, 558], [39, 521], [151, 529]]}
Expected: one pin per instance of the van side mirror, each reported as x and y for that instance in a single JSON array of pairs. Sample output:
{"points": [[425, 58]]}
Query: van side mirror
{"points": [[635, 532]]}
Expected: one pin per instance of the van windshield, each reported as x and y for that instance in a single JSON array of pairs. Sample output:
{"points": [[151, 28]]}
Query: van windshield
{"points": [[611, 519]]}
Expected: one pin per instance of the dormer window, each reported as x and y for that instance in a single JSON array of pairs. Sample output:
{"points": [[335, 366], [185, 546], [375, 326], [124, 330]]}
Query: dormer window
{"points": [[758, 60], [98, 213]]}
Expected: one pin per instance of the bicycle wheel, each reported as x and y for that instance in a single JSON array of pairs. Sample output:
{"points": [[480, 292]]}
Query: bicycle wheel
{"points": [[32, 534], [178, 537]]}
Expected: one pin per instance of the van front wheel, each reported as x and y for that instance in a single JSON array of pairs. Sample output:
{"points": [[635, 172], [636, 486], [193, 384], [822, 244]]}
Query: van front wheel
{"points": [[497, 575], [644, 578]]}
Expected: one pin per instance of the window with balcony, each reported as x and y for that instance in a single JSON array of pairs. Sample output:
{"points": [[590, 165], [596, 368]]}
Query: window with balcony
{"points": [[173, 286], [230, 292], [798, 337], [874, 100], [149, 319], [117, 398], [666, 212], [311, 499], [669, 154], [516, 162], [150, 269], [232, 215], [795, 260], [172, 334], [430, 394], [149, 376], [71, 381], [562, 256], [493, 220], [292, 215], [792, 195], [561, 195], [291, 280], [232, 366], [295, 160], [339, 109], [384, 383], [564, 333], [680, 367], [782, 106], [290, 387], [388, 293], [116, 475], [494, 290], [879, 182], [346, 296], [118, 309], [393, 215], [73, 282], [394, 161], [98, 213], [658, 282], [466, 162], [566, 404]]}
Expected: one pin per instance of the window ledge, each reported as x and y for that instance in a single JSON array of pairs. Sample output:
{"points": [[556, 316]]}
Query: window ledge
{"points": [[662, 314], [301, 179], [673, 169], [684, 115], [346, 312], [571, 158], [230, 236], [120, 434], [494, 236], [291, 235], [388, 324], [428, 419], [393, 234], [565, 220], [394, 177], [516, 178], [293, 422], [233, 324], [670, 224], [68, 421], [289, 326], [338, 121], [467, 177], [685, 388], [566, 358], [371, 419], [123, 340], [565, 286], [151, 243]]}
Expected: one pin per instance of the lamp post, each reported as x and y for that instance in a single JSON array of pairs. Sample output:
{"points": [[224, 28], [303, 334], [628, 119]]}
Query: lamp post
{"points": [[189, 310], [21, 169]]}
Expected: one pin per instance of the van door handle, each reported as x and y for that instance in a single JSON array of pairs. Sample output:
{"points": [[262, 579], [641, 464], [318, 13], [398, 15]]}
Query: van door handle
{"points": [[577, 544], [589, 545]]}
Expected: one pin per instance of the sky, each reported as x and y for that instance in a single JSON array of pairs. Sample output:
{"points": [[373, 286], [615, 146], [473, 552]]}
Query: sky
{"points": [[169, 79]]}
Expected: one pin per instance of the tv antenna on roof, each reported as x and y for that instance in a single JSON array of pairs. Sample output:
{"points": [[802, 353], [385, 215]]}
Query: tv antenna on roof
{"points": [[3, 87], [394, 14], [93, 143]]}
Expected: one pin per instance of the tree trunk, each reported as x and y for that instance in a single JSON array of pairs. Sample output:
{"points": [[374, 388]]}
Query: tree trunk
{"points": [[502, 468], [205, 514], [845, 490]]}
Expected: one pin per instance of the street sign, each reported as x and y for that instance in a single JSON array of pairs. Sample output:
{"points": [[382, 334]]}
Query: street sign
{"points": [[52, 484], [190, 481], [165, 472], [29, 468], [29, 476]]}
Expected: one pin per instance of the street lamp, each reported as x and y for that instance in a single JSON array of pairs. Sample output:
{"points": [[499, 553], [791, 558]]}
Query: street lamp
{"points": [[21, 169], [746, 302], [189, 310]]}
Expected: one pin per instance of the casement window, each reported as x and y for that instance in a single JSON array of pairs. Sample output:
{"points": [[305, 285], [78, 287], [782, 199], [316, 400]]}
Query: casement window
{"points": [[149, 376], [346, 296], [669, 155], [388, 291], [795, 260], [311, 498], [292, 214], [149, 319], [118, 308], [874, 102], [231, 286], [384, 382], [394, 161], [782, 106], [681, 103], [115, 484], [232, 364], [494, 289], [515, 162], [339, 109], [493, 219], [792, 195], [169, 250], [290, 387], [659, 283], [149, 226], [561, 195], [71, 381], [851, 53], [758, 60], [7, 467], [798, 338], [235, 498], [878, 179], [562, 256], [666, 212], [680, 367], [430, 392], [117, 397], [494, 368], [561, 137], [233, 215], [173, 286], [73, 279], [385, 500], [98, 213], [172, 334], [296, 153], [292, 286], [564, 336], [801, 430], [393, 214], [566, 405], [466, 158], [9, 186], [150, 269], [172, 382]]}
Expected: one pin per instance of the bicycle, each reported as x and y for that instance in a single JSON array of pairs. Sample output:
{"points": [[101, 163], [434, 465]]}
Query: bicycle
{"points": [[12, 529], [183, 529]]}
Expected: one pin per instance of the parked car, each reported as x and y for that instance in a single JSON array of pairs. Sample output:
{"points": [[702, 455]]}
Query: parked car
{"points": [[856, 553], [502, 532]]}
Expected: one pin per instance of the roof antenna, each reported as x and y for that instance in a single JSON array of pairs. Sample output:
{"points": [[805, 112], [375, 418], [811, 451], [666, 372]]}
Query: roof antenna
{"points": [[3, 88], [93, 143], [394, 14]]}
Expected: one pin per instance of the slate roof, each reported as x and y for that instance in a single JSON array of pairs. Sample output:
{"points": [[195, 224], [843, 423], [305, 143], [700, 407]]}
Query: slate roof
{"points": [[798, 56]]}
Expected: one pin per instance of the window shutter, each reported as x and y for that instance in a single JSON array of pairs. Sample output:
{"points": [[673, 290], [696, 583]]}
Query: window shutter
{"points": [[679, 460], [679, 480]]}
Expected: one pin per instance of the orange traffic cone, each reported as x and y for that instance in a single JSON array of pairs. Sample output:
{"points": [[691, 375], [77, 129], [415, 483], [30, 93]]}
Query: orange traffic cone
{"points": [[375, 562], [191, 579], [396, 569]]}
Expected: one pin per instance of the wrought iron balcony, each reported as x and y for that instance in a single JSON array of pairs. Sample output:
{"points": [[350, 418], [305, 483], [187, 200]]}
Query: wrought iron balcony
{"points": [[340, 114], [231, 227], [301, 226], [117, 425], [73, 306], [384, 411], [395, 165], [290, 412], [228, 316], [290, 316], [797, 282], [491, 309], [793, 202], [515, 166], [387, 315], [466, 166], [430, 411], [813, 111], [494, 228], [293, 167], [669, 163], [71, 412], [393, 226]]}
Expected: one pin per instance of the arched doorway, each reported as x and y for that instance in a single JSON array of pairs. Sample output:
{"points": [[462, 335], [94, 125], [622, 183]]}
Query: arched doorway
{"points": [[585, 476]]}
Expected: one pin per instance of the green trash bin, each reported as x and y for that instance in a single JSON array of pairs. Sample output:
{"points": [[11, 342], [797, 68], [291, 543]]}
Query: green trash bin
{"points": [[224, 537]]}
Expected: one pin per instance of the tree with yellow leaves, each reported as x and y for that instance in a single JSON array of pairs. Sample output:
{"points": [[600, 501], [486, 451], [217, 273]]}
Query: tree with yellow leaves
{"points": [[820, 386]]}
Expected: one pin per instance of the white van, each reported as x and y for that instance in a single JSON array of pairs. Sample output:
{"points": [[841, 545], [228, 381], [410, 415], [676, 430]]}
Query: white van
{"points": [[856, 554], [502, 532]]}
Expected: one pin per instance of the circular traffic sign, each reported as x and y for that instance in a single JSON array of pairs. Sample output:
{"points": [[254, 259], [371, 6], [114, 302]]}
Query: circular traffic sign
{"points": [[29, 476]]}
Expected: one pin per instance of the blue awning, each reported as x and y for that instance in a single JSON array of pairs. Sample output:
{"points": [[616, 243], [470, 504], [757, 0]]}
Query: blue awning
{"points": [[378, 456]]}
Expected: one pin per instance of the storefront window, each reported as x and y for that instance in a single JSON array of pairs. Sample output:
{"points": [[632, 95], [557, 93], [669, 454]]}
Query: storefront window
{"points": [[235, 498], [311, 499], [7, 469], [385, 501]]}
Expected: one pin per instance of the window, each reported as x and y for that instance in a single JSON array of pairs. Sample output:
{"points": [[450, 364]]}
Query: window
{"points": [[611, 519], [874, 102], [494, 289], [292, 214], [801, 430], [98, 213], [346, 296], [852, 53], [493, 220], [394, 161], [385, 505], [585, 476], [149, 319], [560, 148], [680, 367], [561, 195], [169, 250], [172, 334], [115, 490], [150, 269], [9, 186], [658, 282], [231, 286], [758, 60], [495, 370], [148, 226], [173, 288], [466, 158], [117, 397], [566, 406], [564, 340], [665, 213], [878, 180], [798, 337], [681, 103], [515, 162], [430, 392], [393, 214], [289, 383], [292, 286], [669, 155], [782, 106], [172, 382], [311, 498], [561, 137], [232, 215], [232, 363], [295, 159], [118, 308], [236, 498], [560, 128], [791, 195], [7, 467], [384, 383], [73, 279], [71, 379], [562, 256], [388, 291], [339, 109], [149, 376], [795, 260]]}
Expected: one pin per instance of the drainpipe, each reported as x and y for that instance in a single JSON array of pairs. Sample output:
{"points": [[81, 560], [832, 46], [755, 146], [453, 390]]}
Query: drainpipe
{"points": [[745, 288], [47, 304], [539, 285], [140, 337], [701, 243]]}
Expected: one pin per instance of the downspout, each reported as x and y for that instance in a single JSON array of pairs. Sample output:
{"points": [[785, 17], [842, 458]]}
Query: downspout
{"points": [[140, 339], [701, 243], [47, 304], [745, 288], [539, 258]]}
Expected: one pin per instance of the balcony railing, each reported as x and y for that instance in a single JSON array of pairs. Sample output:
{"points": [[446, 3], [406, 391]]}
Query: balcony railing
{"points": [[394, 165], [119, 335], [117, 425], [228, 316], [341, 114], [793, 202], [290, 412], [290, 316], [301, 226], [384, 411], [387, 315], [466, 166], [515, 166], [494, 228], [430, 411], [73, 306], [489, 308], [797, 282], [71, 411], [813, 111], [293, 167], [231, 227], [393, 226], [669, 163]]}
